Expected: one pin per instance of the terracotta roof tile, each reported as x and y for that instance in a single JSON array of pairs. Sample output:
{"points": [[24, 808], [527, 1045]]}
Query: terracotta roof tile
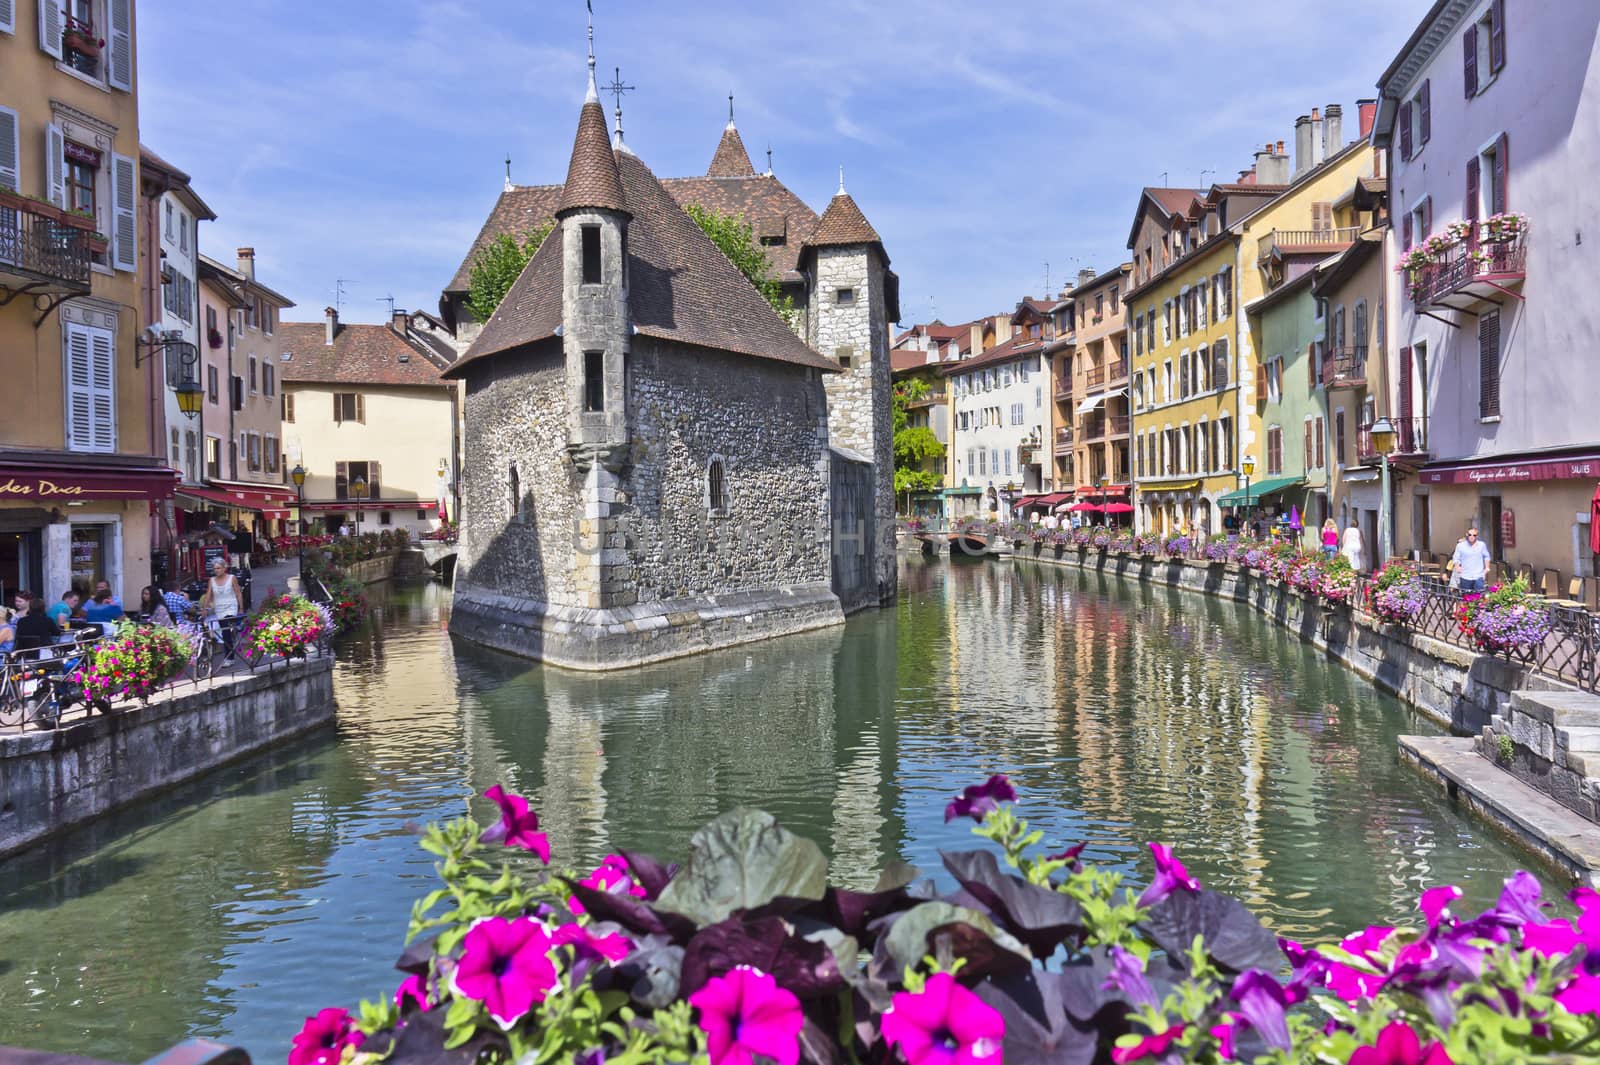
{"points": [[360, 355], [1015, 348], [730, 159], [519, 211], [843, 223], [592, 179], [763, 201], [681, 288]]}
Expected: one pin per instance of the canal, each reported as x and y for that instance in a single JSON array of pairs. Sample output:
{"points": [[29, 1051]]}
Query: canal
{"points": [[234, 907]]}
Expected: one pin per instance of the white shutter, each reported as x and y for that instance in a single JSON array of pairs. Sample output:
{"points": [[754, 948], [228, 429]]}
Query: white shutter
{"points": [[10, 149], [124, 227], [55, 165], [52, 20], [120, 44], [79, 414], [8, 16], [102, 389]]}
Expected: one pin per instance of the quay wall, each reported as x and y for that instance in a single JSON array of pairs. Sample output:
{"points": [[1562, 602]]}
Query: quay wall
{"points": [[1457, 689], [53, 780]]}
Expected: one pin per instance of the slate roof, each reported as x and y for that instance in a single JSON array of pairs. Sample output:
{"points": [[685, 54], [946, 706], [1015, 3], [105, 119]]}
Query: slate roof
{"points": [[519, 211], [360, 355], [730, 158], [765, 202], [592, 179], [843, 223], [681, 288]]}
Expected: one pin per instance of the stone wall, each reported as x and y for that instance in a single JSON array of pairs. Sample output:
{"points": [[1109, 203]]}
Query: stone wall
{"points": [[855, 549], [50, 781], [1454, 687], [1553, 742]]}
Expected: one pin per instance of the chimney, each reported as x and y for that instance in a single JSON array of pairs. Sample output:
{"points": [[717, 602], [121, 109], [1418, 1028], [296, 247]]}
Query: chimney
{"points": [[1302, 145], [1316, 137], [399, 320], [1085, 276], [1367, 111], [332, 318], [1272, 165], [1332, 130], [247, 262]]}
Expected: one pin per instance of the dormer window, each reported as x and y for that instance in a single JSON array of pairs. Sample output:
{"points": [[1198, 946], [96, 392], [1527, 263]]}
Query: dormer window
{"points": [[591, 255]]}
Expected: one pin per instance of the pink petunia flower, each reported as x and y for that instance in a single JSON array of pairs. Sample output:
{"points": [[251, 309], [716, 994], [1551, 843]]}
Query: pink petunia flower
{"points": [[412, 989], [506, 965], [518, 827], [746, 1016], [1147, 1046], [1398, 1045], [944, 1024], [322, 1039], [612, 876], [612, 947], [1581, 995], [1170, 876], [1435, 903], [978, 801]]}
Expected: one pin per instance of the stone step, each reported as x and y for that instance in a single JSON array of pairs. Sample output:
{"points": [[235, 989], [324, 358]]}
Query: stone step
{"points": [[1560, 708], [1579, 739]]}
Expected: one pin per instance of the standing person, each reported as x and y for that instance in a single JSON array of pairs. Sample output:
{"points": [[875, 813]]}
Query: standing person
{"points": [[243, 545], [1470, 563], [1355, 547], [344, 530], [222, 600], [1330, 539]]}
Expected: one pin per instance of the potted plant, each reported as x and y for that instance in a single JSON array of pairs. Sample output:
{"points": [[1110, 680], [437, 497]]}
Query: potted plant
{"points": [[1337, 583], [1219, 549], [1178, 546], [132, 664], [1506, 619], [1100, 539], [285, 627], [98, 243], [1505, 227], [81, 39], [214, 338], [1397, 593]]}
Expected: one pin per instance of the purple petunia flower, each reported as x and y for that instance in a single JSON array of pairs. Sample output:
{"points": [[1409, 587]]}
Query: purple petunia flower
{"points": [[978, 801], [944, 1024], [518, 827], [412, 989], [505, 964], [612, 876], [1581, 994], [1127, 976], [1170, 876], [1519, 901], [1435, 903], [1147, 1046], [1262, 1001], [322, 1039], [746, 1015], [1398, 1045]]}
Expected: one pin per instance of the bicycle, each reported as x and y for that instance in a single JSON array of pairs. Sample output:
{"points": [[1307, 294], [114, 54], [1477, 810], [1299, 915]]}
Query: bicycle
{"points": [[37, 685]]}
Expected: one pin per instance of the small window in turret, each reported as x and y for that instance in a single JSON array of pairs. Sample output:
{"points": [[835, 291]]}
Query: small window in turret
{"points": [[591, 255], [594, 381], [845, 296]]}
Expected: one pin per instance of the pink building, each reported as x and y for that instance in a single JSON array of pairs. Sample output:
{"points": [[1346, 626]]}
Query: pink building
{"points": [[1491, 117]]}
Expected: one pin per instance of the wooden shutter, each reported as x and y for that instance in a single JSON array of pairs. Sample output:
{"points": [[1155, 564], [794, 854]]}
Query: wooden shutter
{"points": [[8, 16], [119, 69], [52, 20], [338, 413], [1427, 218], [102, 390], [124, 200], [1308, 446], [1469, 59], [361, 408], [1405, 385], [1321, 217], [1502, 171], [1497, 35], [55, 165], [1472, 189], [1405, 228], [374, 477], [80, 384], [1261, 382], [10, 149], [1425, 113], [1489, 364], [1405, 131], [1319, 434]]}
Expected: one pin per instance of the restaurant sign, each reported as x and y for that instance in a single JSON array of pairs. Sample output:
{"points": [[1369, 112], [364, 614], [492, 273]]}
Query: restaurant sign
{"points": [[1586, 466], [36, 487]]}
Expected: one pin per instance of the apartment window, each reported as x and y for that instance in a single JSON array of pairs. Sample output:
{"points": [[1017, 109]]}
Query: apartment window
{"points": [[1016, 414], [1138, 335], [1274, 449], [591, 255], [1338, 438], [167, 228], [844, 296], [1486, 181], [1416, 121], [1418, 223], [267, 313], [268, 379], [183, 232], [1489, 364], [1225, 435], [970, 454], [422, 515], [288, 408], [211, 385], [385, 517], [191, 454], [1008, 462], [594, 382], [1200, 307], [252, 375], [253, 451], [1219, 363], [1321, 442], [90, 357], [1484, 48], [983, 459], [213, 456], [349, 407], [1115, 304], [1183, 376], [1166, 382], [347, 473]]}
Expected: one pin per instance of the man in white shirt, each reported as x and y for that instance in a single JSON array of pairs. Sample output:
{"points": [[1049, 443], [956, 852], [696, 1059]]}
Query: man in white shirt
{"points": [[1471, 562]]}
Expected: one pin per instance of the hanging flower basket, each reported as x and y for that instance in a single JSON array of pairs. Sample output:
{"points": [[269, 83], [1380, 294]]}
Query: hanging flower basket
{"points": [[1506, 620], [1398, 595], [1504, 228], [133, 664], [82, 43]]}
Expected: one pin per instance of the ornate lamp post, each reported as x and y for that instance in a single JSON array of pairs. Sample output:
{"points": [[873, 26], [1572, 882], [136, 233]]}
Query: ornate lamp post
{"points": [[1383, 434], [1247, 466], [358, 488], [189, 396], [1105, 515], [298, 475]]}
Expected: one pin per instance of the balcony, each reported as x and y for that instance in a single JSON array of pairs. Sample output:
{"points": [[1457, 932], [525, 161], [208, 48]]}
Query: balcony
{"points": [[1117, 372], [1063, 393], [1469, 272], [1345, 368], [1063, 442], [1119, 425], [930, 399], [1411, 441], [43, 249], [1096, 378], [80, 48], [1281, 242]]}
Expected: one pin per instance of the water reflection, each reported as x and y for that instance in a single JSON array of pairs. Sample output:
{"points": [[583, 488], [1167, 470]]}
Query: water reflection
{"points": [[1124, 713]]}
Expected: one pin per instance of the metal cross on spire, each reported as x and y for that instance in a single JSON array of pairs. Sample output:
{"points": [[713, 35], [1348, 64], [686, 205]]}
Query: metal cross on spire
{"points": [[616, 89]]}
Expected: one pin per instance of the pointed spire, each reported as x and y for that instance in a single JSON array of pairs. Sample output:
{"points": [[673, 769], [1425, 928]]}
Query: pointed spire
{"points": [[594, 93], [730, 159], [842, 222], [730, 110], [841, 191], [769, 159], [509, 186], [592, 176]]}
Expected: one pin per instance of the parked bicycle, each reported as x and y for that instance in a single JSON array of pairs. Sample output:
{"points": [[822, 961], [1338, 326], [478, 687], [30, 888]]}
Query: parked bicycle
{"points": [[37, 686]]}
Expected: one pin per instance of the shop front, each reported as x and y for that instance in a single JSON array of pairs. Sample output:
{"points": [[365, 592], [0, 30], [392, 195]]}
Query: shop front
{"points": [[69, 523], [254, 513]]}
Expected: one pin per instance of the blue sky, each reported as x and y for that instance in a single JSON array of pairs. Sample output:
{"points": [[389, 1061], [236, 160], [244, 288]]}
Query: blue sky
{"points": [[366, 141]]}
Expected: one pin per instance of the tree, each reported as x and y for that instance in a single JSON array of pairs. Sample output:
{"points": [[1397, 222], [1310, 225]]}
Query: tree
{"points": [[733, 235], [914, 445], [497, 268]]}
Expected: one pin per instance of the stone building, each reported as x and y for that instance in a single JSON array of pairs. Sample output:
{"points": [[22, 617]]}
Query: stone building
{"points": [[647, 467]]}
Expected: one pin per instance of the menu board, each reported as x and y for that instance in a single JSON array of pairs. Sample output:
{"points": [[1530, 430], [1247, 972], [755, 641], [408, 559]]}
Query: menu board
{"points": [[215, 553], [88, 555]]}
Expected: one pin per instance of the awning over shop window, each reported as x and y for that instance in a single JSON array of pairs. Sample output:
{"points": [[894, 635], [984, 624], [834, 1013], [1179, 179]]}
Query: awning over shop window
{"points": [[1091, 403], [1049, 500], [1172, 486], [233, 494], [1500, 471], [50, 484], [1260, 490]]}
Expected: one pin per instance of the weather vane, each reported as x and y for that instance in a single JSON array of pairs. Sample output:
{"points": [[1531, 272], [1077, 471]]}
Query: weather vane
{"points": [[617, 88]]}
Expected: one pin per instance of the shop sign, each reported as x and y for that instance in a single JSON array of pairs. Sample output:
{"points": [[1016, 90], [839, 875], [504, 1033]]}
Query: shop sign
{"points": [[44, 488], [1513, 472]]}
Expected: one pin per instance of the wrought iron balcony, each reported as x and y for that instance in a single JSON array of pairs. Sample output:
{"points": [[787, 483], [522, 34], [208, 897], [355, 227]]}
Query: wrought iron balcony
{"points": [[1096, 378], [1410, 440], [1470, 272], [1345, 368], [1119, 425], [1063, 441], [43, 249], [1063, 393]]}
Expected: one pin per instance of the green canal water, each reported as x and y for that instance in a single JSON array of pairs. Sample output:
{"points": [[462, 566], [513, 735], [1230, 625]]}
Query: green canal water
{"points": [[234, 907]]}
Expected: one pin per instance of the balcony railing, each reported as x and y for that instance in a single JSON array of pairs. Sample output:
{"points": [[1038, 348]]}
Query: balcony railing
{"points": [[1282, 241], [1096, 378], [43, 249], [1118, 371], [1064, 395], [1411, 438], [1118, 424], [1470, 270], [929, 399], [1345, 367], [1063, 442]]}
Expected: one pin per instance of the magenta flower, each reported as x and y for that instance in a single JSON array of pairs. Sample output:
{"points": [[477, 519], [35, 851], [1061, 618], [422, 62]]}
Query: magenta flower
{"points": [[1581, 995], [1550, 939], [1127, 976], [978, 801], [613, 876], [505, 964], [1398, 1045], [944, 1024], [1262, 1001], [1435, 903], [322, 1039], [1147, 1046], [746, 1015], [1170, 876], [1519, 901], [412, 989], [518, 827], [612, 947]]}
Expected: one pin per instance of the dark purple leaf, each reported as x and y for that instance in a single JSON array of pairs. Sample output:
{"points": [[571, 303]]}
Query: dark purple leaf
{"points": [[818, 1047], [648, 872], [1038, 916], [1038, 1030], [631, 913], [805, 967], [418, 953], [1234, 938], [420, 1041], [959, 932], [851, 911]]}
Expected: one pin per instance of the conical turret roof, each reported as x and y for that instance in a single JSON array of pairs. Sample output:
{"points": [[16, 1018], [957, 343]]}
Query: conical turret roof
{"points": [[842, 223], [731, 160], [592, 178]]}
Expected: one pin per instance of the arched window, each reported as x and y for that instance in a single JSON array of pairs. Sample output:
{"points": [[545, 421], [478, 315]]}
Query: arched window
{"points": [[716, 488], [516, 494]]}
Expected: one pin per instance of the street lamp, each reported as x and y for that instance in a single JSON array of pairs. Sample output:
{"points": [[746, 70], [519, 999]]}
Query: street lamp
{"points": [[1382, 435], [298, 475], [1247, 466], [1105, 515], [358, 488], [189, 396]]}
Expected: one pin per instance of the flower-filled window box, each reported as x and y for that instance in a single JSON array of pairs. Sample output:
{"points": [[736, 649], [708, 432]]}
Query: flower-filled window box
{"points": [[214, 338], [1504, 228]]}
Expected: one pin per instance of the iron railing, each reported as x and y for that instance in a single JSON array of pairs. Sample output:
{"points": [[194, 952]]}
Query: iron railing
{"points": [[41, 248], [1467, 261], [1411, 438], [1345, 367]]}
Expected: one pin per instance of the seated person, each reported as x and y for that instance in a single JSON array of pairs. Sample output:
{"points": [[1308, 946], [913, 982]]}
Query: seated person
{"points": [[103, 608], [8, 635], [36, 628], [105, 586], [70, 601]]}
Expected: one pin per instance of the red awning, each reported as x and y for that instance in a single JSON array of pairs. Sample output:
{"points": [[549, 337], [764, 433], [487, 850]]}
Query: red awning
{"points": [[48, 483], [1109, 490], [1119, 508], [275, 515], [1499, 471], [234, 494], [1049, 500]]}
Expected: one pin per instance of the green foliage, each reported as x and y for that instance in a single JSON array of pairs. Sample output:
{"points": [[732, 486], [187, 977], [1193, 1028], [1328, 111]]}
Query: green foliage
{"points": [[736, 238], [497, 268], [914, 446]]}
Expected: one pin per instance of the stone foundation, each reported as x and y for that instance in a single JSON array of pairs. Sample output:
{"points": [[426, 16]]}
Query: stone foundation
{"points": [[1550, 740], [621, 637]]}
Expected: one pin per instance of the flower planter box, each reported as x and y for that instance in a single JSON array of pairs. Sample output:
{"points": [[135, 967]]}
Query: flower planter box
{"points": [[99, 245], [45, 209]]}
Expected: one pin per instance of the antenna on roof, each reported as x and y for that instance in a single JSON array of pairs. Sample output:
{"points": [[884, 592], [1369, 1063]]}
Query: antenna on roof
{"points": [[1163, 179], [508, 172], [338, 291], [389, 300], [1203, 174], [1047, 279]]}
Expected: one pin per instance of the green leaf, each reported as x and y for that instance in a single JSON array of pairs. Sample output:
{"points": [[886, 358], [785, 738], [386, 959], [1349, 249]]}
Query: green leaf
{"points": [[907, 942], [742, 860]]}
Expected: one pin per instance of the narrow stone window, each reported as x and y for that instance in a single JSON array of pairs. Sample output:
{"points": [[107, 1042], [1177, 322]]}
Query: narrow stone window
{"points": [[594, 381], [844, 296], [716, 488], [591, 255], [516, 494], [845, 355]]}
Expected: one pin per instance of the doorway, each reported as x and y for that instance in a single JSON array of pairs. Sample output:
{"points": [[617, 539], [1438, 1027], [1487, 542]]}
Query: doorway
{"points": [[1421, 532], [1489, 531]]}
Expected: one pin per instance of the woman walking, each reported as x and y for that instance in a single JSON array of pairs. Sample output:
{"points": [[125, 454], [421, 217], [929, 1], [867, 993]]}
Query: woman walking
{"points": [[1330, 539], [221, 602], [1355, 547]]}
